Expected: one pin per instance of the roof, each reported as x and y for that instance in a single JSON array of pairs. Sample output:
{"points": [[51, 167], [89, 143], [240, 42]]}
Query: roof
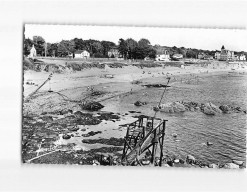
{"points": [[80, 51], [177, 55]]}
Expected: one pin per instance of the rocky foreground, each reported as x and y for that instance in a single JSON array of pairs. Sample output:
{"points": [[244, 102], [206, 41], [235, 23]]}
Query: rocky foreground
{"points": [[41, 133], [206, 108]]}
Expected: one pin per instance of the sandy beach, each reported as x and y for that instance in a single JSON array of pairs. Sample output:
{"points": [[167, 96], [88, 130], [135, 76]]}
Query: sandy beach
{"points": [[115, 86]]}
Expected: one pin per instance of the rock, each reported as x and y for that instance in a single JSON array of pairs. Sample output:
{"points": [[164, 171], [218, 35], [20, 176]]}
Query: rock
{"points": [[95, 162], [213, 166], [165, 165], [91, 133], [145, 162], [225, 108], [215, 108], [209, 143], [66, 136], [238, 162], [170, 163], [171, 107], [197, 108], [210, 109], [92, 106], [176, 161], [231, 166], [190, 159], [78, 114], [139, 103], [192, 109], [181, 161], [47, 118], [74, 128], [62, 112], [174, 135]]}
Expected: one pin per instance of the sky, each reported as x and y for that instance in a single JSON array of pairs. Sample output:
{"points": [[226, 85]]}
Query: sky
{"points": [[208, 39]]}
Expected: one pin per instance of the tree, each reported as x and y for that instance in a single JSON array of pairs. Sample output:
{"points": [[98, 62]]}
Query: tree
{"points": [[182, 51], [152, 53], [191, 54], [79, 44], [39, 44], [66, 47], [131, 45], [97, 48], [122, 48], [52, 49], [144, 49], [107, 46], [143, 43], [27, 46]]}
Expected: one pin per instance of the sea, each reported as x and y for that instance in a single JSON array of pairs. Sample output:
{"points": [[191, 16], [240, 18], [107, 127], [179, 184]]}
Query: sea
{"points": [[226, 132]]}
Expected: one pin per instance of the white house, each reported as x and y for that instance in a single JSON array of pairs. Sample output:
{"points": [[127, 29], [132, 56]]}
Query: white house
{"points": [[82, 54], [217, 55], [163, 56], [242, 57], [33, 52]]}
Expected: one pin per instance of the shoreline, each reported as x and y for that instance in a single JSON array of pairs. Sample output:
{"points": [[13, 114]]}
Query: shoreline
{"points": [[122, 83]]}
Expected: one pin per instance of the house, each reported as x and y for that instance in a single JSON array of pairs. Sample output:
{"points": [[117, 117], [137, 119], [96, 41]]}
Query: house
{"points": [[217, 55], [226, 55], [177, 56], [33, 52], [242, 57], [82, 54], [163, 56], [113, 53]]}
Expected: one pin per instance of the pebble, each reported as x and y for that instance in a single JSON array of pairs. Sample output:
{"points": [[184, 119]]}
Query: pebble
{"points": [[214, 166], [238, 162], [145, 162], [174, 135], [165, 165], [231, 166], [190, 159], [176, 160], [66, 136]]}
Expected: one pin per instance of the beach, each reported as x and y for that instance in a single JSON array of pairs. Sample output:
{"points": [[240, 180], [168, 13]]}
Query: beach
{"points": [[51, 112]]}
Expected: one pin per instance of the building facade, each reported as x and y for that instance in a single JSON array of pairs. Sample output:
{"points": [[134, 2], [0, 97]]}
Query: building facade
{"points": [[217, 55], [242, 57], [226, 55], [163, 56], [33, 52], [82, 54]]}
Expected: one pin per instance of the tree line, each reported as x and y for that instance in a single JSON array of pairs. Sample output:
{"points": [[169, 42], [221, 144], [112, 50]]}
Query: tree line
{"points": [[128, 48]]}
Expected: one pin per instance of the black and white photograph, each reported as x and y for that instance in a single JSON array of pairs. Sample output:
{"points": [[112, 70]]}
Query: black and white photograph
{"points": [[123, 96], [134, 96]]}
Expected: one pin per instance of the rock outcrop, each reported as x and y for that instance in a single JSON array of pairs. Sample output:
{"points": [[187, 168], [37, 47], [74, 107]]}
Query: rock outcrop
{"points": [[92, 106], [231, 166], [210, 109], [174, 107]]}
